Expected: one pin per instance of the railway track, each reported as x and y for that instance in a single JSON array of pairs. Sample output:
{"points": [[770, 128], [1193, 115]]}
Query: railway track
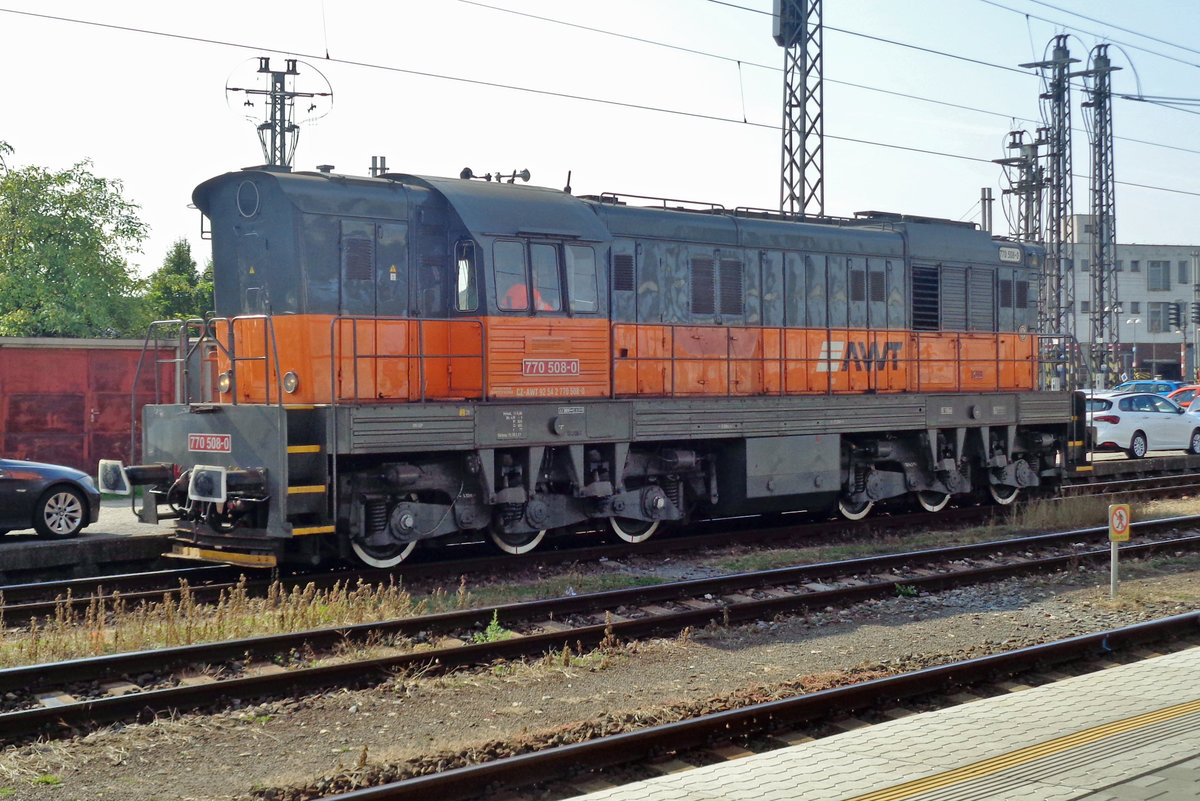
{"points": [[19, 603], [724, 735], [188, 678]]}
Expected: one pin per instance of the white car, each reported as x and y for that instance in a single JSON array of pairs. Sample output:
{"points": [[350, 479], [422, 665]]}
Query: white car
{"points": [[1137, 422]]}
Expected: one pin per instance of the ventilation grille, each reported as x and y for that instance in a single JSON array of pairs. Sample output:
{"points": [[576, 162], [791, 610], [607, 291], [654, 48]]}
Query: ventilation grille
{"points": [[732, 289], [858, 285], [878, 287], [358, 258], [1006, 293], [623, 280], [703, 287], [925, 315]]}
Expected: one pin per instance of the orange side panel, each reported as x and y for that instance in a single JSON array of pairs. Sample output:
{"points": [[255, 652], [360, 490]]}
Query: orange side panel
{"points": [[547, 357], [396, 360], [373, 359], [712, 360]]}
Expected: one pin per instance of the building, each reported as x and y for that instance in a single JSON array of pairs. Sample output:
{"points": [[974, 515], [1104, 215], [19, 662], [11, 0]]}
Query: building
{"points": [[1150, 278]]}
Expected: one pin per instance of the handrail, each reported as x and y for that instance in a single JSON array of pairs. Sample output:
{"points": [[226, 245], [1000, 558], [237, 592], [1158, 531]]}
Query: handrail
{"points": [[420, 356]]}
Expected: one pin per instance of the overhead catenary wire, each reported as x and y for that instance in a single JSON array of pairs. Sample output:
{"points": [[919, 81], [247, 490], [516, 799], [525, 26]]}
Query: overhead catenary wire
{"points": [[774, 68], [534, 90]]}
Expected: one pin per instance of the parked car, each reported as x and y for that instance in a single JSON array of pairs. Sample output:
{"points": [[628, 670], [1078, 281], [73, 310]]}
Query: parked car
{"points": [[1157, 386], [56, 501], [1139, 422], [1184, 395]]}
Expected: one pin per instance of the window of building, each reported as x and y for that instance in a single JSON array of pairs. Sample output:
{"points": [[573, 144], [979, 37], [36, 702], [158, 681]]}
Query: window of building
{"points": [[1185, 272], [1085, 306], [1135, 307], [1135, 266], [1120, 265], [1084, 265], [1156, 317], [1158, 275]]}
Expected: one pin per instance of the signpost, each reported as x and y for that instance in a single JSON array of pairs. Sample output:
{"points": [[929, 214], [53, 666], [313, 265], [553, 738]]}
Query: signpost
{"points": [[1118, 531]]}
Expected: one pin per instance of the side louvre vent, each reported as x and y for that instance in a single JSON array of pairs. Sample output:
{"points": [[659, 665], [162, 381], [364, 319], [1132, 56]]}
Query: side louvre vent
{"points": [[623, 280], [878, 287], [732, 287], [358, 259], [703, 286], [858, 285], [1006, 293], [925, 293]]}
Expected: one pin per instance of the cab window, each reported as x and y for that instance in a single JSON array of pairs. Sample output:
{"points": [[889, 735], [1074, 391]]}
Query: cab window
{"points": [[546, 293], [581, 278], [512, 289], [466, 289]]}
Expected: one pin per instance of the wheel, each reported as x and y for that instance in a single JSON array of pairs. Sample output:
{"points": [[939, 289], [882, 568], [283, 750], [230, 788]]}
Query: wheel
{"points": [[1138, 445], [516, 543], [1002, 494], [1194, 443], [933, 501], [383, 557], [854, 511], [633, 531], [59, 513]]}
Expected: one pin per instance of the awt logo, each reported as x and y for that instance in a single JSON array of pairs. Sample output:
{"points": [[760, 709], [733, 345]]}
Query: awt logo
{"points": [[840, 355]]}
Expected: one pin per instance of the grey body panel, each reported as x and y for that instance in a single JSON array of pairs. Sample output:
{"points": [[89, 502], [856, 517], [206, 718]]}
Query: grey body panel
{"points": [[460, 427], [256, 440]]}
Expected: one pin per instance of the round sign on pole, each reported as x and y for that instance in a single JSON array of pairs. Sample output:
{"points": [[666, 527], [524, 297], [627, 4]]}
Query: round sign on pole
{"points": [[1118, 522]]}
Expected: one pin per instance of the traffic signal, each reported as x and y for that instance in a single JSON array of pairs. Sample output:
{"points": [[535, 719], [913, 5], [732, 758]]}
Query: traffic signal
{"points": [[1196, 313], [1174, 313]]}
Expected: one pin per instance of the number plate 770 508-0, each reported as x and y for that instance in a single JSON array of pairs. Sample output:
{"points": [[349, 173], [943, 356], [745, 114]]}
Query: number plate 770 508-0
{"points": [[213, 443]]}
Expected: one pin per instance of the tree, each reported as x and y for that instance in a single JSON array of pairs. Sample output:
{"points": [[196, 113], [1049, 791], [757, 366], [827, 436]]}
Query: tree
{"points": [[63, 236], [176, 290]]}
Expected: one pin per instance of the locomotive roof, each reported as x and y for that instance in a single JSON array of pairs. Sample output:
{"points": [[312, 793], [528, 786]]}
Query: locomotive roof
{"points": [[486, 208], [509, 209]]}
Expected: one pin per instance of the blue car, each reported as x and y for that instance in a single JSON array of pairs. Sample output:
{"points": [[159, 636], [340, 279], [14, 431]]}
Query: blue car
{"points": [[56, 501], [1156, 387]]}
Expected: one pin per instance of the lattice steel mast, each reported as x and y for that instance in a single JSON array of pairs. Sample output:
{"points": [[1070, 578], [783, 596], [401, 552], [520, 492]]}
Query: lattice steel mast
{"points": [[1056, 299], [1028, 184], [1105, 332], [797, 29]]}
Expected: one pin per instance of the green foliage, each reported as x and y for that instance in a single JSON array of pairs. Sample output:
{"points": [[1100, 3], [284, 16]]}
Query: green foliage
{"points": [[48, 779], [906, 591], [177, 291], [63, 236], [494, 631]]}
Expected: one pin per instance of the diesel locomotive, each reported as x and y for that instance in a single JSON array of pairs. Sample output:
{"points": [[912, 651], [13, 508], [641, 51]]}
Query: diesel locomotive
{"points": [[402, 358]]}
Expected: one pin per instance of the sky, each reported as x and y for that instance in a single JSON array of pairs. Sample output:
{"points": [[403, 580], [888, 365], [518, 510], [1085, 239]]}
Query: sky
{"points": [[919, 98]]}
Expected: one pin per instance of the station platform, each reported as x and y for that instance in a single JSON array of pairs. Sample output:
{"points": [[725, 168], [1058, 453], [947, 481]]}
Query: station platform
{"points": [[116, 539], [1128, 733]]}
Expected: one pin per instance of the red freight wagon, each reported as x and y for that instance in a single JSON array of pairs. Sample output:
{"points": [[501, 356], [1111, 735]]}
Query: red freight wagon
{"points": [[66, 401]]}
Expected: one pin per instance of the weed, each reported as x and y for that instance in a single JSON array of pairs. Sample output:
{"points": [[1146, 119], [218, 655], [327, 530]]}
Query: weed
{"points": [[48, 779], [494, 631], [906, 591]]}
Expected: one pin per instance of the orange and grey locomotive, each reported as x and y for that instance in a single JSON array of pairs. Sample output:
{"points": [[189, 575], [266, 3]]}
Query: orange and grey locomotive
{"points": [[401, 358]]}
